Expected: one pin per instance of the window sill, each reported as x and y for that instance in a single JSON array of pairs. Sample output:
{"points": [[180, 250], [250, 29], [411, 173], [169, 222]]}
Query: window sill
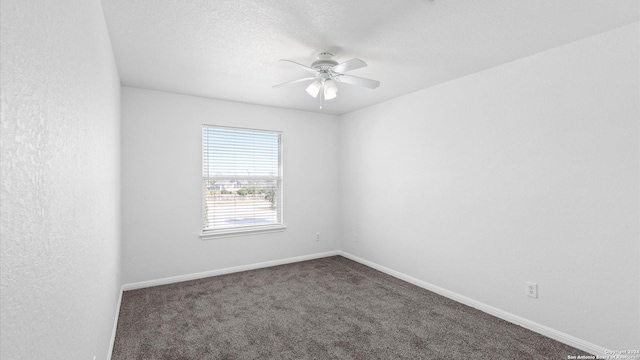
{"points": [[254, 230]]}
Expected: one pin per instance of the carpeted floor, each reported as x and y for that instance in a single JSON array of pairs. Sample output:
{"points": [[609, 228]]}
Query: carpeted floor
{"points": [[331, 308]]}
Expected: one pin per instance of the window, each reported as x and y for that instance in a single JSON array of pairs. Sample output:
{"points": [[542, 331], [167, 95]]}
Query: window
{"points": [[241, 181]]}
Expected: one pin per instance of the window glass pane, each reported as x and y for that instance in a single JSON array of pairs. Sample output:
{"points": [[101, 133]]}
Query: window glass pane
{"points": [[236, 203]]}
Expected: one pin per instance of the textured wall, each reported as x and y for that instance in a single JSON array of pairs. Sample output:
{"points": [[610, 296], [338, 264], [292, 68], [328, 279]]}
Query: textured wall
{"points": [[524, 172], [162, 177], [60, 189]]}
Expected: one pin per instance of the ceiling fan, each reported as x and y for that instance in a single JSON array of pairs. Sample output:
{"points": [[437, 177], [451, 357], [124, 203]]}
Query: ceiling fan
{"points": [[326, 73]]}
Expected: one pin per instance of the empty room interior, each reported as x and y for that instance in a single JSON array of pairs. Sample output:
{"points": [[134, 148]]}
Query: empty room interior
{"points": [[412, 179]]}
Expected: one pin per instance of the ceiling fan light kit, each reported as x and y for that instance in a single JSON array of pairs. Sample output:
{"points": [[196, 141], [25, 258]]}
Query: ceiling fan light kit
{"points": [[330, 89], [326, 73], [314, 88]]}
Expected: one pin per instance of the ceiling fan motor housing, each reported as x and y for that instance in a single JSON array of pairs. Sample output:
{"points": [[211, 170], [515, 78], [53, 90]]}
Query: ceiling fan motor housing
{"points": [[325, 62]]}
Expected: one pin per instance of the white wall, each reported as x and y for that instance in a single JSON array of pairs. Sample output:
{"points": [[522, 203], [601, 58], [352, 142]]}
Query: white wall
{"points": [[60, 188], [525, 172], [161, 174]]}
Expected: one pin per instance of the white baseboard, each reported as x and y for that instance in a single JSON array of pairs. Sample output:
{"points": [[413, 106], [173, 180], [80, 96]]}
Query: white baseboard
{"points": [[204, 274], [115, 325], [515, 319]]}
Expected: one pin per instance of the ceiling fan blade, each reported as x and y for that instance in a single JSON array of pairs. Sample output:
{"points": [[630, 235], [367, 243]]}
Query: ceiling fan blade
{"points": [[354, 80], [294, 81], [349, 65], [312, 70]]}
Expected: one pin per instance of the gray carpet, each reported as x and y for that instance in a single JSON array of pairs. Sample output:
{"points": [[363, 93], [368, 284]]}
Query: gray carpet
{"points": [[331, 308]]}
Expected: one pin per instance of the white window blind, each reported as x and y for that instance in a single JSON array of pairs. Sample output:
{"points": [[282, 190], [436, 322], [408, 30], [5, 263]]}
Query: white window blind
{"points": [[241, 179]]}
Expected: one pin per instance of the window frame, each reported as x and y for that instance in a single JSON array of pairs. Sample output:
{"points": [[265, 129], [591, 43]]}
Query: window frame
{"points": [[248, 229]]}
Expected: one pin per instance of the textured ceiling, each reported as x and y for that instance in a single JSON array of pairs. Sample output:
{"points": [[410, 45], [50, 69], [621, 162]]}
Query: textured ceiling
{"points": [[229, 49]]}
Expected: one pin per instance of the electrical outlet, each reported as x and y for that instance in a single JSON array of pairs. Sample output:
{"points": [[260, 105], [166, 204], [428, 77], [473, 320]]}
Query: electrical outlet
{"points": [[317, 236], [532, 289], [356, 238]]}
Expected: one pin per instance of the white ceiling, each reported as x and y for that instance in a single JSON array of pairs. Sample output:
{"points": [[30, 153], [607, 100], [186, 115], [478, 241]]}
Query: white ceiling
{"points": [[229, 49]]}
